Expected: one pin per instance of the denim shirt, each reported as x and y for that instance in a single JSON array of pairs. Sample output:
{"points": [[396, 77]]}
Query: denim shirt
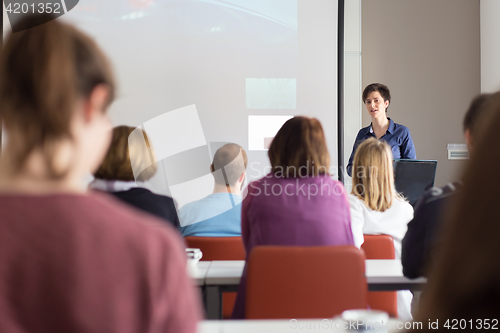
{"points": [[397, 136]]}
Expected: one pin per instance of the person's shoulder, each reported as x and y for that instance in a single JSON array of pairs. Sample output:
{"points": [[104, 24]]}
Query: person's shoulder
{"points": [[115, 224], [364, 130], [401, 128], [215, 201], [149, 193], [190, 207], [191, 211], [403, 205], [115, 215], [440, 193], [355, 202]]}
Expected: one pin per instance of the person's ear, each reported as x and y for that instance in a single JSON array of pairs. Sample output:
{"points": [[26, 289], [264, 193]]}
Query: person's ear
{"points": [[212, 168], [386, 104], [242, 177], [96, 102]]}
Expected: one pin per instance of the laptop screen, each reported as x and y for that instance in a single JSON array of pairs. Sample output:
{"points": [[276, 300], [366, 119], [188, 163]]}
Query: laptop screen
{"points": [[413, 177]]}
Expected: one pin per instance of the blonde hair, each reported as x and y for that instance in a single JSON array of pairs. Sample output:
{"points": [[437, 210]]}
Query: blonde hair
{"points": [[373, 175], [118, 164]]}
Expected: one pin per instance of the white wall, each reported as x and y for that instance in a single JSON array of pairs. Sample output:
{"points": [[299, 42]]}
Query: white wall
{"points": [[352, 80], [428, 53], [490, 46]]}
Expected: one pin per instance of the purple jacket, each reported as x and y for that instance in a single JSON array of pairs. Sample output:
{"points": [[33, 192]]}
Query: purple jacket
{"points": [[310, 211]]}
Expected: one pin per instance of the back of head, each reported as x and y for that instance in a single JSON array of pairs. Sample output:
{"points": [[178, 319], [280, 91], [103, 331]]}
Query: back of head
{"points": [[474, 112], [128, 155], [44, 72], [299, 149], [373, 175], [230, 162], [464, 280]]}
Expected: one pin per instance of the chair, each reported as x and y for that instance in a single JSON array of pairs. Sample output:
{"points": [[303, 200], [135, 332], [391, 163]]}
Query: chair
{"points": [[304, 282], [220, 248], [381, 247]]}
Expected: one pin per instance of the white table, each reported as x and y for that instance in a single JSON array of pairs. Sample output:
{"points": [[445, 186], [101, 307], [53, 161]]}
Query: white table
{"points": [[225, 275], [285, 326], [387, 275], [199, 272], [384, 275]]}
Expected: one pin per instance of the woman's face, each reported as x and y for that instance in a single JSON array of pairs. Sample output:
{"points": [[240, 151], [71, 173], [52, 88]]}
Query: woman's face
{"points": [[375, 105]]}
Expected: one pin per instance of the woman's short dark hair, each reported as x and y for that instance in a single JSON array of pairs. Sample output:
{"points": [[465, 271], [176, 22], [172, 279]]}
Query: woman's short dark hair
{"points": [[381, 88], [299, 149]]}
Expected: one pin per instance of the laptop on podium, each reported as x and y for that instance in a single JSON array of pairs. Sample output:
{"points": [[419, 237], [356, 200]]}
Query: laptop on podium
{"points": [[413, 177]]}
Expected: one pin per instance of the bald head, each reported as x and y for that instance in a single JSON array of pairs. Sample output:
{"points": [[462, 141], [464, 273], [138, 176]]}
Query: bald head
{"points": [[232, 160]]}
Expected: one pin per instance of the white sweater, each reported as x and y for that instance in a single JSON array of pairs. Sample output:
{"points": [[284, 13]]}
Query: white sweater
{"points": [[392, 222]]}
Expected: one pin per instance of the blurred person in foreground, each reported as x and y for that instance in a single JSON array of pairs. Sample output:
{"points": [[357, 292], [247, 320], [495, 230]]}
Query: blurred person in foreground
{"points": [[376, 207], [72, 261], [422, 237], [219, 214], [131, 150], [464, 280]]}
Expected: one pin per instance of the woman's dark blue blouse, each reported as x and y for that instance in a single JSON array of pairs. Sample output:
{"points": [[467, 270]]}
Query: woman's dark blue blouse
{"points": [[397, 136]]}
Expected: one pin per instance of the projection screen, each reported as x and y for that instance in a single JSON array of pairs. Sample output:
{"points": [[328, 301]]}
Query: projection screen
{"points": [[195, 74]]}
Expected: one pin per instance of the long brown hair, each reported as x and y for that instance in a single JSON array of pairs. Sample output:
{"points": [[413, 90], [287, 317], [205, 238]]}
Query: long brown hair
{"points": [[44, 71], [373, 175], [299, 149], [464, 281]]}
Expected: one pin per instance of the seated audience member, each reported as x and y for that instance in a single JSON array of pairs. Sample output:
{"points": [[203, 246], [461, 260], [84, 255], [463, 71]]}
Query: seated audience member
{"points": [[219, 214], [298, 203], [116, 174], [376, 207], [72, 261], [464, 278], [420, 239]]}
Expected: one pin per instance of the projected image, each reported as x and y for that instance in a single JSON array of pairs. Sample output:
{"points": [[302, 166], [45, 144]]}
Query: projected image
{"points": [[271, 93], [262, 130], [205, 179], [180, 145], [237, 60]]}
